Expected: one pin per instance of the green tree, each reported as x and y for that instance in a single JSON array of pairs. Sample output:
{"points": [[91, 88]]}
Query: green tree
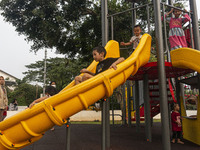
{"points": [[24, 93], [61, 70], [70, 26]]}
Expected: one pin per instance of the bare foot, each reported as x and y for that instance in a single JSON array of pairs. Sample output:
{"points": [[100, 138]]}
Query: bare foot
{"points": [[52, 129], [180, 142], [173, 141]]}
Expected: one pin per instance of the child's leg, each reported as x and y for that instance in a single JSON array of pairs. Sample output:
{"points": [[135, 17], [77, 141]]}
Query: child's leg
{"points": [[179, 137], [173, 136], [86, 76], [78, 79]]}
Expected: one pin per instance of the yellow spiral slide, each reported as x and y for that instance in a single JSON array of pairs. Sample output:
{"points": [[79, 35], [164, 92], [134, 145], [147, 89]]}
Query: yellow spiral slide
{"points": [[29, 125], [189, 59]]}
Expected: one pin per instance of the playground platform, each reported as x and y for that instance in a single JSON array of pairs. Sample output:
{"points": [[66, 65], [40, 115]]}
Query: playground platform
{"points": [[88, 137]]}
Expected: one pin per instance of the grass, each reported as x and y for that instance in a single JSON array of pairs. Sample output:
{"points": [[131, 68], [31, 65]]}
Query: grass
{"points": [[99, 122]]}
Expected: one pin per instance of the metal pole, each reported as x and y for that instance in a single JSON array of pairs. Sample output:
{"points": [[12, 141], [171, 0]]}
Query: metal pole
{"points": [[104, 25], [165, 34], [147, 108], [103, 122], [148, 18], [104, 22], [170, 2], [162, 78], [108, 123], [112, 28], [128, 103], [113, 117], [195, 25], [68, 126], [137, 106], [133, 17], [191, 32], [124, 105], [105, 125], [45, 71], [177, 90], [182, 95]]}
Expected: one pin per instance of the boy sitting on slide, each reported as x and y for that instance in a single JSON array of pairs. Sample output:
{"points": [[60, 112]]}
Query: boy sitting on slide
{"points": [[99, 54]]}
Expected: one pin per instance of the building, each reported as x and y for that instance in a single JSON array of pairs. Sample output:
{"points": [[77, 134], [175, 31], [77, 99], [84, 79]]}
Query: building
{"points": [[10, 80]]}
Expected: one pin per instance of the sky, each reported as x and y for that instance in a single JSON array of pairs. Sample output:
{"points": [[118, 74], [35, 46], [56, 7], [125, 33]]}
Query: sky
{"points": [[15, 51]]}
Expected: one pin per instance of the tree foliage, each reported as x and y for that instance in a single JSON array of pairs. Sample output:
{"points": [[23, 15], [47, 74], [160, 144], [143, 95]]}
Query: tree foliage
{"points": [[60, 70], [70, 26], [24, 93]]}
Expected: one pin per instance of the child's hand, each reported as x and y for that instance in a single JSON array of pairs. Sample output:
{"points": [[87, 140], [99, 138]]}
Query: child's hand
{"points": [[170, 11], [122, 43], [114, 66], [84, 70], [32, 104], [185, 11]]}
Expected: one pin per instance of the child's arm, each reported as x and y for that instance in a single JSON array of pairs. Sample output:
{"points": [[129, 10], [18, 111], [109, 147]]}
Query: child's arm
{"points": [[87, 71], [125, 44], [37, 101], [170, 11], [167, 14], [114, 65]]}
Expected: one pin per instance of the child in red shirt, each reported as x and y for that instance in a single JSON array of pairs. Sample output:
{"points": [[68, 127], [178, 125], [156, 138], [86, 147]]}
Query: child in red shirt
{"points": [[176, 125]]}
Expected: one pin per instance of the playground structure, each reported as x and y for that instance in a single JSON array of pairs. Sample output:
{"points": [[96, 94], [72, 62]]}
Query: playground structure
{"points": [[29, 125], [160, 71]]}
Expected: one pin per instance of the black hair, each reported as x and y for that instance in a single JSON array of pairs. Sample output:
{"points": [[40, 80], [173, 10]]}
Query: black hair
{"points": [[50, 90], [14, 100], [138, 25], [52, 82], [100, 49], [174, 105]]}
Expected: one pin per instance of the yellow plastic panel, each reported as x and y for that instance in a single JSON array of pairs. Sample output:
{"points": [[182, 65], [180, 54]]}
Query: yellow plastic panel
{"points": [[29, 125], [186, 58], [191, 126], [112, 49], [189, 59]]}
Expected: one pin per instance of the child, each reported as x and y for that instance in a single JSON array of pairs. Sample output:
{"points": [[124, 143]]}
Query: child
{"points": [[176, 124], [176, 33], [49, 91], [99, 54], [13, 105], [135, 39]]}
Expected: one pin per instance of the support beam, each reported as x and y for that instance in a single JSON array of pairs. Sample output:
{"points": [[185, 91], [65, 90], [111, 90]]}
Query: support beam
{"points": [[104, 28], [124, 105], [147, 109], [133, 16], [108, 123], [162, 78], [104, 22], [129, 103], [68, 132], [195, 25], [105, 121], [137, 106]]}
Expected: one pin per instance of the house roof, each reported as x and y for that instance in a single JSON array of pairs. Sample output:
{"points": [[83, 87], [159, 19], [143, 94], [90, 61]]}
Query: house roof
{"points": [[8, 74]]}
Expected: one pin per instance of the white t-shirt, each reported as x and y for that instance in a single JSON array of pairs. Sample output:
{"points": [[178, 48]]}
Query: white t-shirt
{"points": [[135, 40]]}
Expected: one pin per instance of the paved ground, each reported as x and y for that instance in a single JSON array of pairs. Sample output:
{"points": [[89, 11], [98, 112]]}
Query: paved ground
{"points": [[88, 137]]}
